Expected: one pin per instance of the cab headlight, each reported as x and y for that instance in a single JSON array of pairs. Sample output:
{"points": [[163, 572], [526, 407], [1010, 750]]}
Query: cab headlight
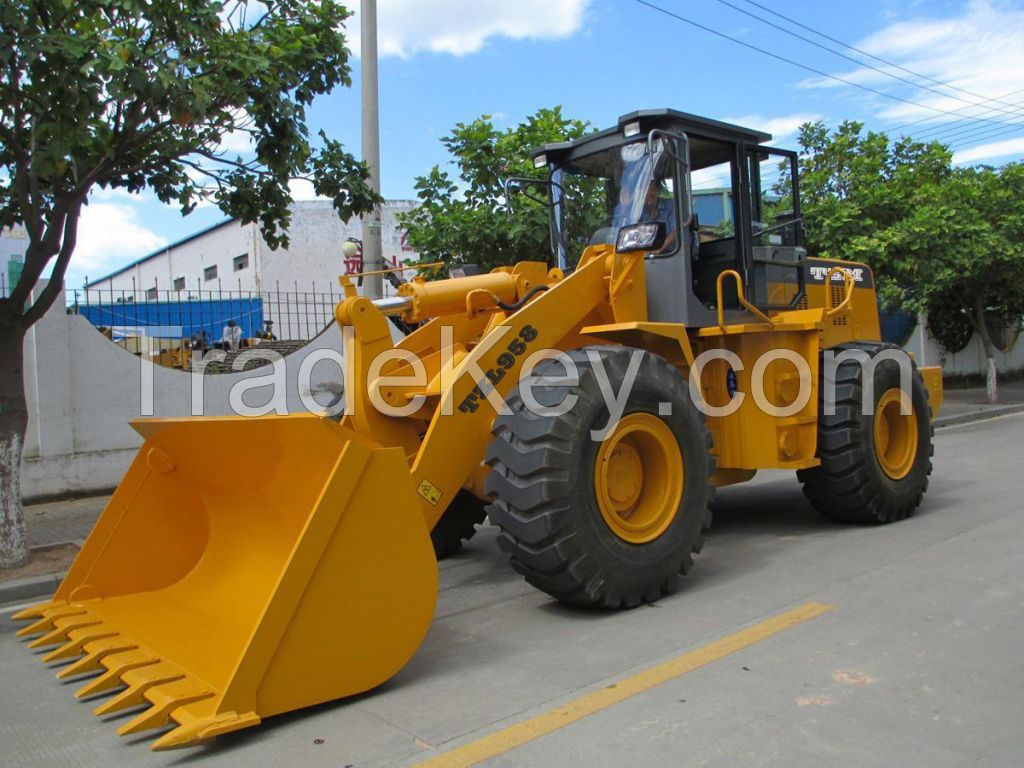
{"points": [[647, 236]]}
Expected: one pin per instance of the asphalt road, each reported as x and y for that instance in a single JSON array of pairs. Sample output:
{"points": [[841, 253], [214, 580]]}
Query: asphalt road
{"points": [[918, 662]]}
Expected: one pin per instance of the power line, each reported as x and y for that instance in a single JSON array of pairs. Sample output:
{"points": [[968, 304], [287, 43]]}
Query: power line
{"points": [[966, 118], [972, 142], [959, 127], [997, 127], [884, 61], [971, 119], [1016, 112], [966, 131], [786, 60]]}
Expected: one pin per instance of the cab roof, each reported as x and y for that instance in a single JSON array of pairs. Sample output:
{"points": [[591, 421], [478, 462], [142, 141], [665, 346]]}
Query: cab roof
{"points": [[663, 119]]}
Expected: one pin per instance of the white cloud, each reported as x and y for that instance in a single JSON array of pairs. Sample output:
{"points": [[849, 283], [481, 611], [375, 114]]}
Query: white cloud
{"points": [[302, 189], [460, 27], [781, 128], [980, 50], [989, 151], [109, 235], [715, 177], [236, 143]]}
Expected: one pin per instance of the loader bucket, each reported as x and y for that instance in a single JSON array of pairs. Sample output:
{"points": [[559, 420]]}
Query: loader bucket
{"points": [[244, 567]]}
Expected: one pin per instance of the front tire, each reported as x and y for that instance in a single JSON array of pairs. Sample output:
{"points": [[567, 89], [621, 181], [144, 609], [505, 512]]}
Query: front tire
{"points": [[874, 466], [458, 524], [611, 523]]}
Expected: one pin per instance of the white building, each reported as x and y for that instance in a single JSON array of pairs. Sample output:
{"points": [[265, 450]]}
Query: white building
{"points": [[13, 243], [298, 285]]}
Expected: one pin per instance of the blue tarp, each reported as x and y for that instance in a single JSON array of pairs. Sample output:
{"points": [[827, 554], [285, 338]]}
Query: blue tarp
{"points": [[897, 325], [177, 319]]}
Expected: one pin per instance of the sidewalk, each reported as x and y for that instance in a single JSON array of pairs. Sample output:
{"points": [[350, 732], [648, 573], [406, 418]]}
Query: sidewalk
{"points": [[967, 404], [55, 522]]}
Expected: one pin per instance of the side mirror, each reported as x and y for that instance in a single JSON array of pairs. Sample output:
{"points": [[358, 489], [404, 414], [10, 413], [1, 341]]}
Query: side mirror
{"points": [[646, 236], [523, 184]]}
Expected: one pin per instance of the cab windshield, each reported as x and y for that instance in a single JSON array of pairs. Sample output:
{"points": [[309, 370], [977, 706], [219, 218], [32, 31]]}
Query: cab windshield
{"points": [[594, 196]]}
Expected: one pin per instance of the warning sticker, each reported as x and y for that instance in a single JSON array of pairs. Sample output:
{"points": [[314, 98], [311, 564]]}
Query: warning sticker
{"points": [[430, 492]]}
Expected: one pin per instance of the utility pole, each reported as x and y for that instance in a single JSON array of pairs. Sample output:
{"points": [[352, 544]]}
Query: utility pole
{"points": [[372, 251]]}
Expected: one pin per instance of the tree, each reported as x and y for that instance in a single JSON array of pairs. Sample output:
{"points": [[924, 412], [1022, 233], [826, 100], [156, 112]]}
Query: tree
{"points": [[854, 187], [466, 220], [966, 237], [141, 94], [942, 240]]}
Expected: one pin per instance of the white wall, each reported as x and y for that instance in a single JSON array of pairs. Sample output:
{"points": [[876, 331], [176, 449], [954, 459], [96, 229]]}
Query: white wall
{"points": [[82, 391], [970, 361]]}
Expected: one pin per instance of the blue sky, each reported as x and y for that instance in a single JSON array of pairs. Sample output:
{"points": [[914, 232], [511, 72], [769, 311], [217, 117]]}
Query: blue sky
{"points": [[446, 61]]}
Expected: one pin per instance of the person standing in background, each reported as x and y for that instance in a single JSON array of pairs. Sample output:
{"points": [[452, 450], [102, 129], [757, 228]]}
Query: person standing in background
{"points": [[231, 337]]}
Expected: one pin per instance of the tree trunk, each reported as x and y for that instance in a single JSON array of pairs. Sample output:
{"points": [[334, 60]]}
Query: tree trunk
{"points": [[991, 384], [13, 422]]}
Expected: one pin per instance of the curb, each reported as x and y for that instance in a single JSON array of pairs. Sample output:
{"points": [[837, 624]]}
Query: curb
{"points": [[33, 587], [30, 588], [982, 415]]}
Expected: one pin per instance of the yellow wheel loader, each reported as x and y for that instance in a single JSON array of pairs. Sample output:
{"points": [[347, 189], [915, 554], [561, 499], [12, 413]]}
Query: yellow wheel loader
{"points": [[678, 339]]}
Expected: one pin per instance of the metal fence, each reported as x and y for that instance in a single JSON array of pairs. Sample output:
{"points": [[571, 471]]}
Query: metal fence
{"points": [[289, 315]]}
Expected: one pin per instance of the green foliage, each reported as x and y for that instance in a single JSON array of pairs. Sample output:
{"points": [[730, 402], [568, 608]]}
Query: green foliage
{"points": [[464, 220], [946, 241], [138, 94], [949, 323]]}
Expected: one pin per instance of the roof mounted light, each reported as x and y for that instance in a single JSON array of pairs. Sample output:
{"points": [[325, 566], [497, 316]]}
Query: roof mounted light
{"points": [[540, 161], [631, 130]]}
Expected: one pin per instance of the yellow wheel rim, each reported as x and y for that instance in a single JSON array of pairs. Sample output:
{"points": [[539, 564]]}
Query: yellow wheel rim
{"points": [[895, 435], [638, 478]]}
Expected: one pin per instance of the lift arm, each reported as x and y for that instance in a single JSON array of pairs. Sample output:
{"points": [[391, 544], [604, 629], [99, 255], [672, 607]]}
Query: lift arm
{"points": [[476, 385]]}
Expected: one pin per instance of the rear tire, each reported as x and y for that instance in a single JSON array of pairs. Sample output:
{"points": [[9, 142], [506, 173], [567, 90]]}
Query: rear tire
{"points": [[858, 481], [553, 527], [458, 524]]}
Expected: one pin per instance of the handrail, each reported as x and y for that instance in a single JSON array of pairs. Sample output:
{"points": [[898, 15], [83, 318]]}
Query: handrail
{"points": [[850, 284], [739, 294]]}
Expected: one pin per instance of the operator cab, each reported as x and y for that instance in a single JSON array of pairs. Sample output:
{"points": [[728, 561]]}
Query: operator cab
{"points": [[720, 199]]}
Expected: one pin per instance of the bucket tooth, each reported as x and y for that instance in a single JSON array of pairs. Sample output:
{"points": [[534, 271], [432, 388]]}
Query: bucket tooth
{"points": [[75, 645], [204, 729], [59, 633], [182, 736], [93, 659], [108, 681], [166, 699], [36, 611], [134, 694], [111, 679], [47, 621]]}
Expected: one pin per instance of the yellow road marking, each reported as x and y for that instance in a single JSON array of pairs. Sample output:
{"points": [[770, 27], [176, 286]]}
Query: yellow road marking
{"points": [[561, 716]]}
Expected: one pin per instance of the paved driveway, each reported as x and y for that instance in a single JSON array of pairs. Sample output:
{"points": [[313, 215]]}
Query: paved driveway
{"points": [[918, 662]]}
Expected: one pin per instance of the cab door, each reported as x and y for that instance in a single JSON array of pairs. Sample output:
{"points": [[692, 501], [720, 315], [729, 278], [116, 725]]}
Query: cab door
{"points": [[773, 232]]}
